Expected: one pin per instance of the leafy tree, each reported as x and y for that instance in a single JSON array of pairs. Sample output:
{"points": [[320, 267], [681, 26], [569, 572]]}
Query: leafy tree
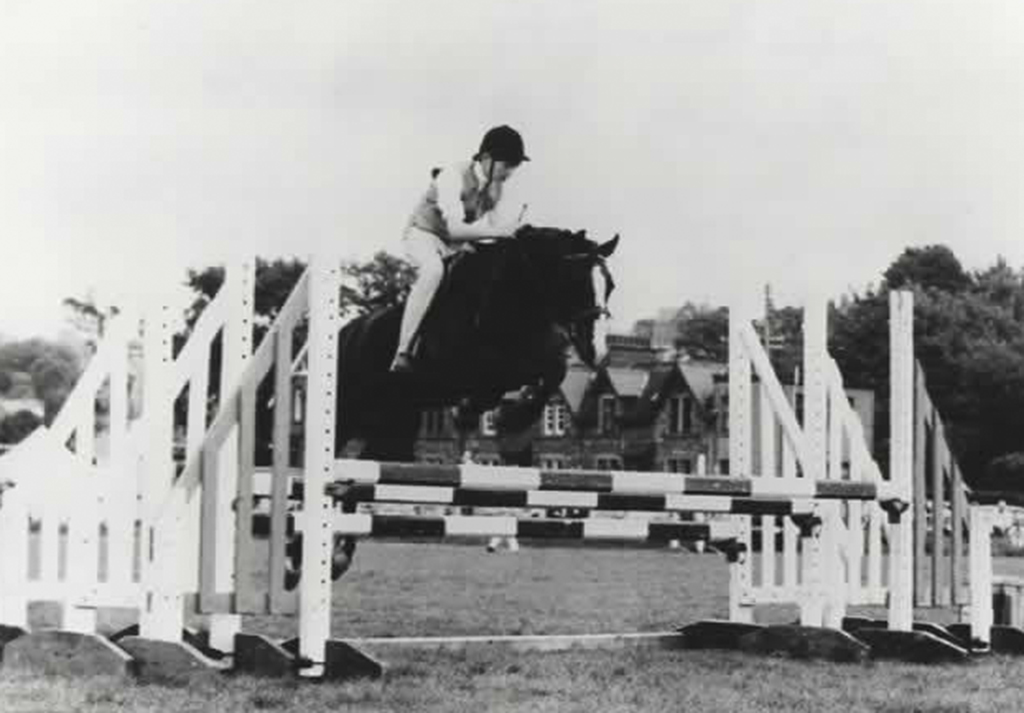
{"points": [[970, 344], [16, 427], [53, 368], [90, 319], [1001, 286], [382, 282], [1006, 472], [933, 266], [702, 331]]}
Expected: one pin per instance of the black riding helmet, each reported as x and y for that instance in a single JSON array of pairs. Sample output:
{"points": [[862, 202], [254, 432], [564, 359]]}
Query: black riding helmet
{"points": [[503, 143]]}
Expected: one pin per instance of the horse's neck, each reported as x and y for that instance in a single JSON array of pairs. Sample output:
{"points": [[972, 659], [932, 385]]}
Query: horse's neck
{"points": [[521, 293]]}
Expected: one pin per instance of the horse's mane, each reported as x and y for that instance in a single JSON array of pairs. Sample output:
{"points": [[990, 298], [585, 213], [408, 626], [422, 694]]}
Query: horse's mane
{"points": [[553, 243]]}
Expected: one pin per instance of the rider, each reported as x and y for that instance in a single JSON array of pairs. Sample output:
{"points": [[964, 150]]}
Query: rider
{"points": [[459, 207]]}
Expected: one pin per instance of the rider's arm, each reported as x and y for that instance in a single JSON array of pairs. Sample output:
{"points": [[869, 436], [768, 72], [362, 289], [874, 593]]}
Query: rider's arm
{"points": [[449, 185]]}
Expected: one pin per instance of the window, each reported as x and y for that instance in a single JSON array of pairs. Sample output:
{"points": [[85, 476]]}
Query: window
{"points": [[608, 463], [678, 465], [606, 414], [723, 466], [553, 463], [487, 427], [487, 459], [298, 404], [723, 416], [556, 417], [680, 415], [433, 422]]}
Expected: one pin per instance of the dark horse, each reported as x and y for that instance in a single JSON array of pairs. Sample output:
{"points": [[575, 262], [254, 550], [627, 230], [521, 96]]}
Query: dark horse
{"points": [[504, 319]]}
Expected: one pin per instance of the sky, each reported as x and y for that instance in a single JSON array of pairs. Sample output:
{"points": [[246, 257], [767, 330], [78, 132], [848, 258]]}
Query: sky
{"points": [[731, 143]]}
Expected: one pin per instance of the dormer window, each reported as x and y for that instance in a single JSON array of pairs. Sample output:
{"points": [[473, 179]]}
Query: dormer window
{"points": [[556, 418], [606, 414], [487, 425], [680, 415], [433, 422]]}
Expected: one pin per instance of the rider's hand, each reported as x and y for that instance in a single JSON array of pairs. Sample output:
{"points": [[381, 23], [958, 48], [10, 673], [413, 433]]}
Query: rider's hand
{"points": [[518, 223]]}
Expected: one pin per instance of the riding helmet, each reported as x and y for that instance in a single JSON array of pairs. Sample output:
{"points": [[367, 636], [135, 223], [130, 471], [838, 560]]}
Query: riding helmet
{"points": [[503, 143]]}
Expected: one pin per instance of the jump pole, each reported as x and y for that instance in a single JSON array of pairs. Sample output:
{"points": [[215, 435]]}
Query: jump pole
{"points": [[318, 537], [901, 460]]}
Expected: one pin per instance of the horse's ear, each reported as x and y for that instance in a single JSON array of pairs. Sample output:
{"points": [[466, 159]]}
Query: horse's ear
{"points": [[606, 249]]}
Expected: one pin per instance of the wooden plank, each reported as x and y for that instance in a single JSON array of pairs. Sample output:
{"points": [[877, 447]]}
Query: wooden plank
{"points": [[957, 555], [249, 600], [279, 599], [921, 582], [211, 509], [938, 478]]}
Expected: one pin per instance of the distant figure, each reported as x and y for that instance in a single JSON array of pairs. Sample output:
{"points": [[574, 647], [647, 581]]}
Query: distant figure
{"points": [[494, 544], [458, 208]]}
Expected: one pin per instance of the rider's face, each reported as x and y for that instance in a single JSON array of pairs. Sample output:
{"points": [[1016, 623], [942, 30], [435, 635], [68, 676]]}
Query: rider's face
{"points": [[502, 170]]}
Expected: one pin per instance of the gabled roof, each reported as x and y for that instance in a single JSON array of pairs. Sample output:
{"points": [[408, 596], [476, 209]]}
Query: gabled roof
{"points": [[574, 386], [700, 375], [628, 382], [661, 378]]}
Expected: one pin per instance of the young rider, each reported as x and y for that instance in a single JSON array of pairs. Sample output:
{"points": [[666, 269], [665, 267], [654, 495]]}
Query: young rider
{"points": [[459, 207]]}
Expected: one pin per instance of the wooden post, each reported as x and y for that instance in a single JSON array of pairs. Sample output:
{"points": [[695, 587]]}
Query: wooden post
{"points": [[818, 541], [769, 436], [740, 451], [317, 525], [161, 614], [901, 459], [981, 573], [14, 523], [232, 526]]}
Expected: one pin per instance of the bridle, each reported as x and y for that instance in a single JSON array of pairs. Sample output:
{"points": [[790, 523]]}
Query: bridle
{"points": [[597, 311]]}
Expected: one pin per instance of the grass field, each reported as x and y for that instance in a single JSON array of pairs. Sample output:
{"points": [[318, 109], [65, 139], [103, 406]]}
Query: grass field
{"points": [[404, 589]]}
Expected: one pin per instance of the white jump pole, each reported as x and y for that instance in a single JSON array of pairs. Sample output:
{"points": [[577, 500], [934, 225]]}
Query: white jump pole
{"points": [[901, 459], [740, 462], [317, 540]]}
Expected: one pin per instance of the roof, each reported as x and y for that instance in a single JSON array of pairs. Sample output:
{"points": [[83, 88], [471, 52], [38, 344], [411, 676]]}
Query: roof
{"points": [[574, 387], [700, 375], [661, 378], [628, 382]]}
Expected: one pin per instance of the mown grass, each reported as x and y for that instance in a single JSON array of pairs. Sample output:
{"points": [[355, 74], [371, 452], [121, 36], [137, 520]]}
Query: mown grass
{"points": [[418, 589]]}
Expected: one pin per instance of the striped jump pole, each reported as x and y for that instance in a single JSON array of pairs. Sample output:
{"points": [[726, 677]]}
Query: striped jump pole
{"points": [[607, 485], [624, 529]]}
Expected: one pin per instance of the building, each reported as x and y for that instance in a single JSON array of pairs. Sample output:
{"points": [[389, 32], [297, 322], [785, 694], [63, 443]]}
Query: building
{"points": [[643, 409]]}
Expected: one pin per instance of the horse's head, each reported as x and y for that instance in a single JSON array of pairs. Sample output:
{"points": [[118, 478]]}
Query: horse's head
{"points": [[577, 283]]}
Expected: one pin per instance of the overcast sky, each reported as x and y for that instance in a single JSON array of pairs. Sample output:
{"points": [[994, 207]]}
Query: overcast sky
{"points": [[732, 143]]}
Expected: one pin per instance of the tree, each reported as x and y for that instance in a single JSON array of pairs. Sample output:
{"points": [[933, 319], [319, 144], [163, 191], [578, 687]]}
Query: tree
{"points": [[90, 320], [1001, 286], [16, 427], [383, 281], [970, 343], [930, 267], [53, 369], [702, 331]]}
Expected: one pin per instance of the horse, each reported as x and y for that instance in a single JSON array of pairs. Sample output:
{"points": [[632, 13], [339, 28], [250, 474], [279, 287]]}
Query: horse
{"points": [[506, 317], [503, 320]]}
